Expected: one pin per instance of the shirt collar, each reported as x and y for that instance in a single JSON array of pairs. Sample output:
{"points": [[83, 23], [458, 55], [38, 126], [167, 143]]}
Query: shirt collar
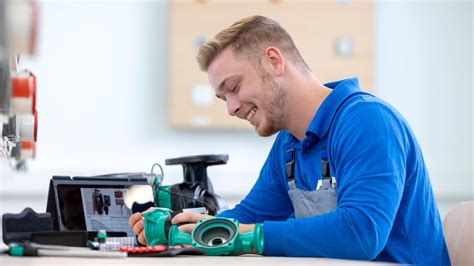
{"points": [[322, 120]]}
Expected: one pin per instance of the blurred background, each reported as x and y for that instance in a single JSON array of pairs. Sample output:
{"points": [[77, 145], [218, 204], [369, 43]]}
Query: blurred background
{"points": [[104, 70]]}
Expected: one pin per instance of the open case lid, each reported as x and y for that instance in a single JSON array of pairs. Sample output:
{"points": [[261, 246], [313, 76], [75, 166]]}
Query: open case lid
{"points": [[91, 203]]}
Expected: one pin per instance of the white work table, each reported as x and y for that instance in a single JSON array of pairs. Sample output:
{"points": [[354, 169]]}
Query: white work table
{"points": [[181, 260]]}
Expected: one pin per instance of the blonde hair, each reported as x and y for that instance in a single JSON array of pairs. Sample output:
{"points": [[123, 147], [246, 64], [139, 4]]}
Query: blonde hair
{"points": [[248, 38]]}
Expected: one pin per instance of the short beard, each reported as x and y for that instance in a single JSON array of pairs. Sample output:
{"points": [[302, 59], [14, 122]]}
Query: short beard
{"points": [[275, 107]]}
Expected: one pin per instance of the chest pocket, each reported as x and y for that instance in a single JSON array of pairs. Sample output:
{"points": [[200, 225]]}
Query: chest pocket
{"points": [[310, 203]]}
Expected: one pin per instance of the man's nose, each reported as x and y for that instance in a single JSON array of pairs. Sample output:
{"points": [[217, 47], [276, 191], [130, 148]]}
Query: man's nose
{"points": [[233, 106]]}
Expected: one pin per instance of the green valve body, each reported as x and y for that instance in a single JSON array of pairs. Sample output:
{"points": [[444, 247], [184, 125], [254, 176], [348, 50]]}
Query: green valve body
{"points": [[220, 236], [215, 236], [162, 196]]}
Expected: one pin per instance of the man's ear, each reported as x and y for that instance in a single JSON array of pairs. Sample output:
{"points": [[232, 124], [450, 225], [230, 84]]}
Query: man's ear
{"points": [[276, 60]]}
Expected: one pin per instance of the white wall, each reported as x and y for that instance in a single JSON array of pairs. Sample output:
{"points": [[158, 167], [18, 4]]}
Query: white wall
{"points": [[424, 68], [102, 73]]}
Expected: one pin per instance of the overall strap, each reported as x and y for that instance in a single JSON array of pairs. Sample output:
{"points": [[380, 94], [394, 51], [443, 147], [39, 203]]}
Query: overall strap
{"points": [[290, 158], [327, 181], [325, 168]]}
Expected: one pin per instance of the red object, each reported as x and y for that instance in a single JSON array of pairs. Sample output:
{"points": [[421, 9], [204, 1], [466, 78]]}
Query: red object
{"points": [[28, 145], [25, 87], [147, 249], [22, 87]]}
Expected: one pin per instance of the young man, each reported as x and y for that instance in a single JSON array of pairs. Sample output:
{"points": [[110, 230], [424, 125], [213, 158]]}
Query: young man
{"points": [[345, 177]]}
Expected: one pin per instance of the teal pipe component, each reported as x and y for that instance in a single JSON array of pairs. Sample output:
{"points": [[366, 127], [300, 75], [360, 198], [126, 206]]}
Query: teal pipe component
{"points": [[220, 236], [177, 237], [252, 241], [154, 225]]}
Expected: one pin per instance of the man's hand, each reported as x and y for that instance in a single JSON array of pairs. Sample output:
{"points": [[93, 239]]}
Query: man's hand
{"points": [[189, 220], [193, 218], [246, 227], [137, 223]]}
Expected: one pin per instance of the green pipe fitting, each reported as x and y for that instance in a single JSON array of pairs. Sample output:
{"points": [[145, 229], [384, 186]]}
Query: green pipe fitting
{"points": [[154, 226], [252, 241], [220, 236], [177, 237]]}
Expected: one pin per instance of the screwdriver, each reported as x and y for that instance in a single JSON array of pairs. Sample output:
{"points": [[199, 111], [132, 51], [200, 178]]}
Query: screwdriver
{"points": [[33, 249]]}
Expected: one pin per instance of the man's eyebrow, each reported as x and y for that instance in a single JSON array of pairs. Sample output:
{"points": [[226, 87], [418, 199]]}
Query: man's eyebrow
{"points": [[223, 84]]}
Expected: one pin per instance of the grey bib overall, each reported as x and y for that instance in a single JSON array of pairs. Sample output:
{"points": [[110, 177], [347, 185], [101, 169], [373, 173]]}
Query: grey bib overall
{"points": [[310, 203]]}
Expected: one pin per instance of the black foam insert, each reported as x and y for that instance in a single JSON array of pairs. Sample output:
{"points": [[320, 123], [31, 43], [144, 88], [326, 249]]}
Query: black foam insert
{"points": [[18, 227]]}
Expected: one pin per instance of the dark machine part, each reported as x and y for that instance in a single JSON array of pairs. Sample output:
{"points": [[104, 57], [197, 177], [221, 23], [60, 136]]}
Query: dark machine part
{"points": [[5, 87], [11, 130], [196, 190], [195, 167], [5, 83]]}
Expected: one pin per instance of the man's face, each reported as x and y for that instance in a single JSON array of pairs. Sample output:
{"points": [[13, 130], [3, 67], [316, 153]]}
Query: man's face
{"points": [[249, 95]]}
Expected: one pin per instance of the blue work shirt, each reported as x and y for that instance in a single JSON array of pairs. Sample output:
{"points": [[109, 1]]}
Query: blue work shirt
{"points": [[386, 209]]}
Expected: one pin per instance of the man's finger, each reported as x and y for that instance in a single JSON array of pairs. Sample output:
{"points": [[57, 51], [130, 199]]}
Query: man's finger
{"points": [[134, 219], [142, 239], [189, 217], [188, 228], [138, 227]]}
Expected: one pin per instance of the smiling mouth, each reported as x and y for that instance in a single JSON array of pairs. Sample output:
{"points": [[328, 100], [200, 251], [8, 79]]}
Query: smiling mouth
{"points": [[251, 114]]}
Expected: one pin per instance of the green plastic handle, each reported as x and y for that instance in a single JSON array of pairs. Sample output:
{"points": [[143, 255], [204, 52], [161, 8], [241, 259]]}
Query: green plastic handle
{"points": [[16, 251], [154, 226]]}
